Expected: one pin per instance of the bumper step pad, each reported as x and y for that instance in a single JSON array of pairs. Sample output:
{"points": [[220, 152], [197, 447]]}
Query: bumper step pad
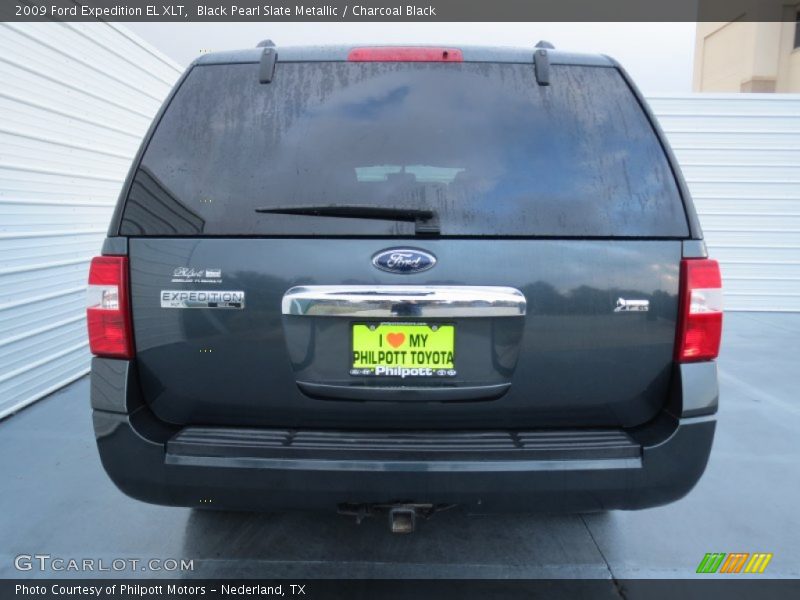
{"points": [[418, 445]]}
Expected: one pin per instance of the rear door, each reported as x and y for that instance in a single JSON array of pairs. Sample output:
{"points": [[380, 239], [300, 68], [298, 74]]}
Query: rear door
{"points": [[544, 294]]}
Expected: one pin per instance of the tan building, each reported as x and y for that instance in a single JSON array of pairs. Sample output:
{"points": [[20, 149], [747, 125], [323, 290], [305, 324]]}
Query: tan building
{"points": [[741, 56]]}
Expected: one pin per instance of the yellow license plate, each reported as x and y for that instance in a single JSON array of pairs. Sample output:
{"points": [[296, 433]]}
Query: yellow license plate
{"points": [[403, 350]]}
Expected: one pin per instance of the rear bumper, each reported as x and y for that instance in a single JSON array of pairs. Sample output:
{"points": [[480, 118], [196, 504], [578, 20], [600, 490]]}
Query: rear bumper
{"points": [[277, 470]]}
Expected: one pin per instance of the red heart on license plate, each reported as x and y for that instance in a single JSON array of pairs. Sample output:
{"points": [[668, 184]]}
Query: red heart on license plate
{"points": [[395, 339]]}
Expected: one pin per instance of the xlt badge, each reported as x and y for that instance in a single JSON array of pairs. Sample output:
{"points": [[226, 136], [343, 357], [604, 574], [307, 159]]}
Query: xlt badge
{"points": [[404, 260]]}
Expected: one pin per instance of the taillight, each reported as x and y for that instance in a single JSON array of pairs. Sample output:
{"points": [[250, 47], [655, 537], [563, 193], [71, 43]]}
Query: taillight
{"points": [[700, 317], [405, 54], [107, 311]]}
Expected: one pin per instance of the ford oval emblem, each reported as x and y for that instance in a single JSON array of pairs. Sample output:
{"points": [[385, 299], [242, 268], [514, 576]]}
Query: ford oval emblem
{"points": [[404, 260]]}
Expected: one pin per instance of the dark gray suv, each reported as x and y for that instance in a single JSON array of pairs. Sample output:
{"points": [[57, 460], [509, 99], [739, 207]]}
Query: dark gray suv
{"points": [[405, 278]]}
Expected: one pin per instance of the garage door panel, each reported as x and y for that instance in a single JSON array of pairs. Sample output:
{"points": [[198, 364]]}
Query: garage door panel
{"points": [[758, 254], [42, 377], [63, 215], [753, 140], [37, 282], [767, 224], [781, 124], [35, 183], [95, 82], [766, 189], [751, 206], [23, 315], [32, 253], [732, 172], [761, 302], [769, 286], [729, 105], [780, 239], [36, 117], [15, 352], [760, 271], [113, 37], [34, 152], [738, 155], [141, 76]]}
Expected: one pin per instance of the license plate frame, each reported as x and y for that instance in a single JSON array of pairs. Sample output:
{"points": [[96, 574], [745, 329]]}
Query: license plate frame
{"points": [[438, 358]]}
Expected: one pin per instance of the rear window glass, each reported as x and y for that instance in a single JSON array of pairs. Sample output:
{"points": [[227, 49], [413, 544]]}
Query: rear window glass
{"points": [[481, 144]]}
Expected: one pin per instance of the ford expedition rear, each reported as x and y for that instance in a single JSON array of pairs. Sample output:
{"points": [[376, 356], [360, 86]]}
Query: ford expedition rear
{"points": [[404, 278]]}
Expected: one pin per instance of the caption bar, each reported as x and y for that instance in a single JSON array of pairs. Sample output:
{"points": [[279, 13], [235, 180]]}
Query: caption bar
{"points": [[389, 10]]}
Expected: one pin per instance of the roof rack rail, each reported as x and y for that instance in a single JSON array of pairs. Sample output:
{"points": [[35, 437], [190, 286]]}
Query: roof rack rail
{"points": [[545, 44], [265, 44], [266, 68]]}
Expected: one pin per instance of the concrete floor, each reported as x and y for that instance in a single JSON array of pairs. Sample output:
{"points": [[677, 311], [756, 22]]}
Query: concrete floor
{"points": [[57, 500]]}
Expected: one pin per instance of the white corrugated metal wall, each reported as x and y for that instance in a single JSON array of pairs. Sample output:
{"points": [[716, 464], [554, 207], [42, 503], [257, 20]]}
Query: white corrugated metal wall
{"points": [[740, 154], [76, 100]]}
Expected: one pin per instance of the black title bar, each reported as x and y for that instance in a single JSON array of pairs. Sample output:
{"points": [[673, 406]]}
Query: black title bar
{"points": [[397, 10]]}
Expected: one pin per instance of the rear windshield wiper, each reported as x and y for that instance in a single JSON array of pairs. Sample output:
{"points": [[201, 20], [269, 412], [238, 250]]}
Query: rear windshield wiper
{"points": [[425, 220]]}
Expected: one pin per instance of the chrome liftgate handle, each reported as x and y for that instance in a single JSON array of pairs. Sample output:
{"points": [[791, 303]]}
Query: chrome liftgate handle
{"points": [[380, 301]]}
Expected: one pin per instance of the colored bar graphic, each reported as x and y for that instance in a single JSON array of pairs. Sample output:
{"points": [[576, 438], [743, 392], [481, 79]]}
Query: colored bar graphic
{"points": [[711, 562], [721, 562], [758, 562], [734, 562]]}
